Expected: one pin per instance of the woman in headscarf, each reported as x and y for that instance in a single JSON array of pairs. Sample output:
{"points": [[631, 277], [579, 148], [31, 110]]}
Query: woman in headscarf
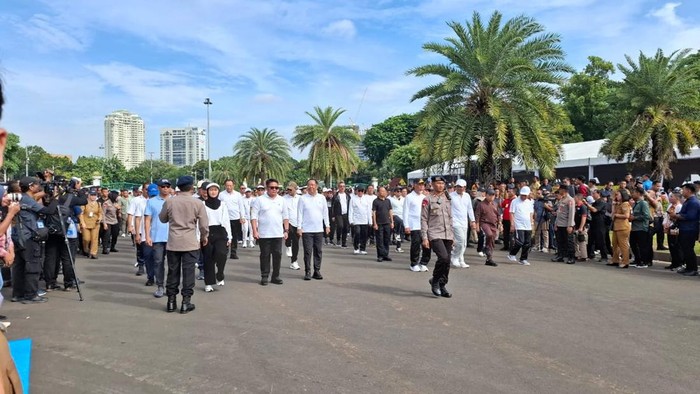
{"points": [[215, 252], [111, 210], [90, 221], [621, 230]]}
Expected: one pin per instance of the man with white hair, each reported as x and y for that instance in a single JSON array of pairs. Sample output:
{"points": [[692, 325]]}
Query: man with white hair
{"points": [[522, 215], [462, 219]]}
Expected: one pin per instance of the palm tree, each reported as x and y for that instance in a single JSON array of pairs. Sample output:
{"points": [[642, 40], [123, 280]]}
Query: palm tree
{"points": [[331, 154], [262, 154], [660, 100], [495, 97]]}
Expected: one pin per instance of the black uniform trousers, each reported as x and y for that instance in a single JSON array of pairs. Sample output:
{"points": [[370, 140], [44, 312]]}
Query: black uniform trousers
{"points": [[313, 244], [443, 251], [687, 241], [659, 231], [26, 269], [215, 255], [639, 244], [597, 233], [237, 234], [181, 264], [674, 246], [293, 241], [109, 237], [417, 250], [341, 229], [383, 240], [270, 248], [506, 234], [565, 244], [359, 238], [56, 252]]}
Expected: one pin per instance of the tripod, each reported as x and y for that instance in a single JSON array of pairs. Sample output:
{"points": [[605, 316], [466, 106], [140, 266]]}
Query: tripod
{"points": [[70, 253]]}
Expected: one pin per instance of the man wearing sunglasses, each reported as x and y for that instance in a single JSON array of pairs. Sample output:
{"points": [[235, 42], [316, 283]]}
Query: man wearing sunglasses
{"points": [[157, 237], [270, 220], [291, 200]]}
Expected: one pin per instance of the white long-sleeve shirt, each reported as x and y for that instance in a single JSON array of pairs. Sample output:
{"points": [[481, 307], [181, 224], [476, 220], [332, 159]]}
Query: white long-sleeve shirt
{"points": [[247, 207], [412, 206], [360, 211], [312, 213], [219, 217], [292, 205], [397, 206], [270, 214], [462, 210], [234, 203]]}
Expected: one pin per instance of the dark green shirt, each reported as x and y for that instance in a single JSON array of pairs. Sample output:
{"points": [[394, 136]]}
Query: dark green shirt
{"points": [[642, 216]]}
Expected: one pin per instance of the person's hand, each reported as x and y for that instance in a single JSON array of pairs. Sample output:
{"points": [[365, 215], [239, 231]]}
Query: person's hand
{"points": [[376, 227], [286, 235], [473, 226], [104, 226], [10, 258], [131, 229], [13, 209], [204, 241], [408, 231], [392, 225], [6, 200], [256, 235], [242, 220], [149, 241], [569, 230], [299, 232], [631, 219], [328, 230], [512, 229], [137, 239], [426, 244], [228, 243]]}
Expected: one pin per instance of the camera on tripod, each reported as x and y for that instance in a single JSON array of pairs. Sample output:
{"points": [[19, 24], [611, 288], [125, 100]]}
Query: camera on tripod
{"points": [[56, 186]]}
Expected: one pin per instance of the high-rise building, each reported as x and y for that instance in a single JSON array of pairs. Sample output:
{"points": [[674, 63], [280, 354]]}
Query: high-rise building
{"points": [[183, 146], [359, 148], [125, 138]]}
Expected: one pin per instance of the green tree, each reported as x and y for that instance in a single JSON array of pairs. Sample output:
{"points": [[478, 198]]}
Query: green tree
{"points": [[660, 102], [200, 168], [86, 167], [224, 168], [495, 97], [262, 154], [152, 170], [384, 137], [588, 99], [331, 154], [299, 173], [113, 171], [403, 160], [13, 162]]}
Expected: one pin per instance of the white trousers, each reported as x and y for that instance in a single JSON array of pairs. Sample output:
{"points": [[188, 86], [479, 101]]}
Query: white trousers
{"points": [[461, 238], [245, 229]]}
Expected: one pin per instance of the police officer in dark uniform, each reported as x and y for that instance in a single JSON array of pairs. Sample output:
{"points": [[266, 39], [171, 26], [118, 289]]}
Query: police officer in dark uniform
{"points": [[437, 234]]}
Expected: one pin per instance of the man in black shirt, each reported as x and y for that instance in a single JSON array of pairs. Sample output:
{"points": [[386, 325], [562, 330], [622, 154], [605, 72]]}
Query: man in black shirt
{"points": [[597, 231], [383, 223]]}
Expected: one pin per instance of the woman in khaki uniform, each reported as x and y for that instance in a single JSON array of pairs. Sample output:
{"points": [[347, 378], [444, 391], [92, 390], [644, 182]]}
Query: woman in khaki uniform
{"points": [[621, 229], [90, 221]]}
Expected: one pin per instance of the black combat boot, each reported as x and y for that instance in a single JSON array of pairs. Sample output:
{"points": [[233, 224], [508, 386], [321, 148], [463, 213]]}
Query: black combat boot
{"points": [[186, 306], [172, 303], [444, 292], [435, 287]]}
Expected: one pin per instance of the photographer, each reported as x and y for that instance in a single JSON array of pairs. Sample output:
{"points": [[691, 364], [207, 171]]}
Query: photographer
{"points": [[58, 223], [29, 236], [597, 231]]}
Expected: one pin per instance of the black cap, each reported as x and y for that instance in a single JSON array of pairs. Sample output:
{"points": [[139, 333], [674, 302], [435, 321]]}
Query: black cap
{"points": [[185, 181], [437, 178], [490, 192], [690, 186], [28, 181], [163, 182], [417, 181], [135, 189]]}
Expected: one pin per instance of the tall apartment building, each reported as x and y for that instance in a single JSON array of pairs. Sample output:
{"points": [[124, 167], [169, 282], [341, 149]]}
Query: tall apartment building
{"points": [[183, 146], [125, 138]]}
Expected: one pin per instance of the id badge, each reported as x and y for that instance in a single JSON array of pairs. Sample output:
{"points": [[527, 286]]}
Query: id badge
{"points": [[90, 214], [40, 224]]}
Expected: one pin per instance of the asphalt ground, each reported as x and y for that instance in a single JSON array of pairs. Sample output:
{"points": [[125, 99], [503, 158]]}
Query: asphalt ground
{"points": [[371, 327]]}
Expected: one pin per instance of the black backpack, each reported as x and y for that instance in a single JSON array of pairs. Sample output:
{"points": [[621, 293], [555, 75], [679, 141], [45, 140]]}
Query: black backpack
{"points": [[53, 221]]}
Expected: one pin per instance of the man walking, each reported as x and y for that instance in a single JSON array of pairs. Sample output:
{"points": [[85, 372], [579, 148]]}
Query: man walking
{"points": [[183, 214], [397, 210], [505, 216], [462, 221], [564, 223], [157, 237], [487, 219], [360, 219], [236, 214], [270, 220], [522, 214], [436, 232], [341, 202], [687, 222], [420, 254], [383, 224], [312, 216], [291, 199]]}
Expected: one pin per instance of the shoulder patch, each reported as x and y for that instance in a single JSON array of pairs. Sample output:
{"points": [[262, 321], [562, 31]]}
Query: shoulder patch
{"points": [[425, 202]]}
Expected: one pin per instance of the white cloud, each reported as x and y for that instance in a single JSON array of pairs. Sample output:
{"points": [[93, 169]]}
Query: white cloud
{"points": [[344, 28], [50, 34], [266, 98], [667, 14]]}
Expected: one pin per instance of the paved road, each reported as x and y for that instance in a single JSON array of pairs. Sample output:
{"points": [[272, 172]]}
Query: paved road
{"points": [[371, 328]]}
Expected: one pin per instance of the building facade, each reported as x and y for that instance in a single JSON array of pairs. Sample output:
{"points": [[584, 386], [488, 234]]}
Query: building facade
{"points": [[125, 138], [183, 146]]}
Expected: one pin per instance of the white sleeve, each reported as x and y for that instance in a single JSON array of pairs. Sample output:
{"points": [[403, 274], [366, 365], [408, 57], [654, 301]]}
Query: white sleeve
{"points": [[326, 218], [300, 214], [254, 210], [226, 222], [470, 210]]}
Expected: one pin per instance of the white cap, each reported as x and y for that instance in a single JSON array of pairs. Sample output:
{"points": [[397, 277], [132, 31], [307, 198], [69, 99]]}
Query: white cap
{"points": [[524, 191], [247, 190], [299, 193], [326, 190], [213, 184], [590, 200], [461, 182]]}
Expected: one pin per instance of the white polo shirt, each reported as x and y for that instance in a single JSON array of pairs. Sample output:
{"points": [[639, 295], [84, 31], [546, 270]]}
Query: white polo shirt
{"points": [[520, 211], [312, 213], [234, 203], [270, 213], [360, 211], [412, 206], [292, 203], [462, 210]]}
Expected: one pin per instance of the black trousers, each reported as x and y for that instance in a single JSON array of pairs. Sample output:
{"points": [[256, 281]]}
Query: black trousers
{"points": [[140, 257], [399, 231], [26, 269], [110, 236], [237, 234], [565, 244], [331, 235], [506, 234], [383, 240], [181, 264], [639, 244], [341, 229], [313, 244], [215, 255], [270, 248], [659, 231], [56, 252], [522, 239], [674, 246], [443, 251], [596, 240], [293, 241], [359, 238], [417, 249], [687, 241]]}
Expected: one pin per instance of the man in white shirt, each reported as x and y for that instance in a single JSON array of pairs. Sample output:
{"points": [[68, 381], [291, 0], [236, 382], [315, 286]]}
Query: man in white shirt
{"points": [[236, 209], [360, 216], [397, 209], [341, 202], [270, 220], [138, 204], [291, 199], [312, 216], [462, 220], [413, 204], [522, 215], [246, 229]]}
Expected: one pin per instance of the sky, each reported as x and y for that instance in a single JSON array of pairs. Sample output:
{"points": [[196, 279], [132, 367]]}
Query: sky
{"points": [[65, 64]]}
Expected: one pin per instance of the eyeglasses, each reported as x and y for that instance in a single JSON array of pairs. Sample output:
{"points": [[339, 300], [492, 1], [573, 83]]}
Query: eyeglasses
{"points": [[273, 187], [290, 190], [165, 186]]}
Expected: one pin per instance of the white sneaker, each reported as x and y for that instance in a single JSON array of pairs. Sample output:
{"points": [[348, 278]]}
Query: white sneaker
{"points": [[363, 252], [220, 283], [251, 244], [244, 245], [289, 251], [294, 265], [462, 264], [399, 250], [240, 242], [524, 262], [481, 254], [415, 268], [512, 258], [208, 288], [423, 268], [356, 251], [456, 264], [544, 250]]}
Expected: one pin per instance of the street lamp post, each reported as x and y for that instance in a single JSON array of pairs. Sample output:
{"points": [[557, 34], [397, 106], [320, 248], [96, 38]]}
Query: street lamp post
{"points": [[26, 161], [151, 155], [208, 102], [104, 159]]}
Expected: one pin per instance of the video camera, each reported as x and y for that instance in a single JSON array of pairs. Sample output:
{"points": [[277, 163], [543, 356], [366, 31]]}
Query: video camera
{"points": [[57, 186]]}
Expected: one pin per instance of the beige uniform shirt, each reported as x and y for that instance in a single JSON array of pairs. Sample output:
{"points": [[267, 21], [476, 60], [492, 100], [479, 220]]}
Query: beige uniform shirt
{"points": [[184, 214], [436, 218]]}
